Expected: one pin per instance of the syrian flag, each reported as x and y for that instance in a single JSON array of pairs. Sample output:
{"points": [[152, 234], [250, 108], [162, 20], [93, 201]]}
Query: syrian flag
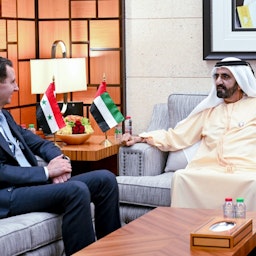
{"points": [[104, 110], [48, 113]]}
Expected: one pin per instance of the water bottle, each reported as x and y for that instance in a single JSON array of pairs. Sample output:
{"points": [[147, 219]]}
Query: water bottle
{"points": [[240, 209], [32, 128], [118, 132], [228, 208], [128, 125]]}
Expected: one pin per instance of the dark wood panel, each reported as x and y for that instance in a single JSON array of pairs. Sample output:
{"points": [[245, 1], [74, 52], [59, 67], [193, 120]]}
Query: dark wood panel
{"points": [[28, 116]]}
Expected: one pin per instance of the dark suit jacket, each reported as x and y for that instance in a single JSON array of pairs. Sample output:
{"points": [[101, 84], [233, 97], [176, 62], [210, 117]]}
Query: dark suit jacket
{"points": [[11, 174]]}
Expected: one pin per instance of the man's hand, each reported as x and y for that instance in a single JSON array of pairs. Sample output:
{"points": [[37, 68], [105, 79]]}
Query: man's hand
{"points": [[129, 140], [59, 169], [61, 178]]}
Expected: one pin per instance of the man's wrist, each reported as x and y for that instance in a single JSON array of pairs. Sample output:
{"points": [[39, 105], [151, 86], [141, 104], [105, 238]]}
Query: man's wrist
{"points": [[143, 140]]}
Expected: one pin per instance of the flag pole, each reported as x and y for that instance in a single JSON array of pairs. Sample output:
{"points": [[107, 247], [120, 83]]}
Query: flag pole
{"points": [[55, 141], [106, 142], [104, 111]]}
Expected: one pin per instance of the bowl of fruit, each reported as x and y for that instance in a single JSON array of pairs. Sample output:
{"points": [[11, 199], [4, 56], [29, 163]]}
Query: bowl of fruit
{"points": [[77, 130]]}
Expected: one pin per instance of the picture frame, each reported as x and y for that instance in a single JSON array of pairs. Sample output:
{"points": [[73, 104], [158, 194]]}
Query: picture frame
{"points": [[221, 36]]}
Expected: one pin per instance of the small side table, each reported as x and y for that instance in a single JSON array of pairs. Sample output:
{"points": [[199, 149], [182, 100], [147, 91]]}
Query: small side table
{"points": [[92, 155]]}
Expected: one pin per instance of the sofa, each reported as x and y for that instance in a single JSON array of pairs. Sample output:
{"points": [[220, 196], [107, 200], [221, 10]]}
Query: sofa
{"points": [[145, 173], [32, 234]]}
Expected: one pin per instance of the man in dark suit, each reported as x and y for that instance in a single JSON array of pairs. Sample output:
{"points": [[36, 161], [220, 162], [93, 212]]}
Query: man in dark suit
{"points": [[26, 187]]}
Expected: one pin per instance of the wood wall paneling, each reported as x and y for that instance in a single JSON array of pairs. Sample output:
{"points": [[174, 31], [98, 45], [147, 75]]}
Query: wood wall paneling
{"points": [[26, 8], [105, 62], [79, 30], [49, 9], [60, 96], [3, 34], [108, 8], [8, 8], [27, 116], [87, 97], [82, 9], [104, 34], [26, 39], [79, 96], [12, 55], [80, 50], [15, 114], [50, 31], [12, 31], [25, 96], [3, 54]]}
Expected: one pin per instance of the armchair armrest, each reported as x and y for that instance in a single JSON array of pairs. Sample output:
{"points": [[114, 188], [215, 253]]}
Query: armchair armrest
{"points": [[141, 159]]}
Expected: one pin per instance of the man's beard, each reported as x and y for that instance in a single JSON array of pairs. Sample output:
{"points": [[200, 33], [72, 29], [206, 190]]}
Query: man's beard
{"points": [[224, 93]]}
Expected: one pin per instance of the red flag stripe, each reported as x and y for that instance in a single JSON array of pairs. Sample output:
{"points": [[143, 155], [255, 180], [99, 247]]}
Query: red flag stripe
{"points": [[102, 89], [54, 105]]}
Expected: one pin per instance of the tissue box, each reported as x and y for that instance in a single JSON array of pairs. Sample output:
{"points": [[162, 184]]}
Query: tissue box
{"points": [[210, 234]]}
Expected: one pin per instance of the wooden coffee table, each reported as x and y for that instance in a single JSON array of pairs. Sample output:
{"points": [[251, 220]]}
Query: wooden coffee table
{"points": [[165, 231], [93, 154], [91, 150]]}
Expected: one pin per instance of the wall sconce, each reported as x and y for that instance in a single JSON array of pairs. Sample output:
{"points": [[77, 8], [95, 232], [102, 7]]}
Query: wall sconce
{"points": [[68, 74]]}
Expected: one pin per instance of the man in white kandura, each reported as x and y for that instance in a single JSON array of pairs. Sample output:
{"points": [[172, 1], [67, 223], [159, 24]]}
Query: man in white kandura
{"points": [[220, 134]]}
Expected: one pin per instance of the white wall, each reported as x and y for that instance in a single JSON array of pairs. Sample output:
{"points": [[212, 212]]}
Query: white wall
{"points": [[164, 54]]}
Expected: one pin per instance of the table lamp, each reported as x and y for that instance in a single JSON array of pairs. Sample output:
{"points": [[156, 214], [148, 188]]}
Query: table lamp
{"points": [[67, 73]]}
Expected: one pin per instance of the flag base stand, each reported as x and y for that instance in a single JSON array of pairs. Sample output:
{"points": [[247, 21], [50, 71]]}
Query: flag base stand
{"points": [[106, 142]]}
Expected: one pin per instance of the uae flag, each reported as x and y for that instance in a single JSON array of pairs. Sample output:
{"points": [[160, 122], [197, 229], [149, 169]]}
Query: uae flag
{"points": [[48, 113], [104, 110]]}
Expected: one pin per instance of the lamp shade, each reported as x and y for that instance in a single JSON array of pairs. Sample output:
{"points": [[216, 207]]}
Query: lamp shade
{"points": [[68, 73]]}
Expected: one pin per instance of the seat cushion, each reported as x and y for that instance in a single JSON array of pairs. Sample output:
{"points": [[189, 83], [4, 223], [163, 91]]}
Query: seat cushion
{"points": [[29, 231], [175, 161], [150, 191], [179, 107]]}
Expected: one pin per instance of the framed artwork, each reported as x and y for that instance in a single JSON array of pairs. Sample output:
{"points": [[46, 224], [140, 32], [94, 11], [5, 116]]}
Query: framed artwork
{"points": [[228, 29]]}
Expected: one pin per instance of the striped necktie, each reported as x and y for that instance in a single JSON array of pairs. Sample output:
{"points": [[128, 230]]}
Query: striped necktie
{"points": [[13, 143]]}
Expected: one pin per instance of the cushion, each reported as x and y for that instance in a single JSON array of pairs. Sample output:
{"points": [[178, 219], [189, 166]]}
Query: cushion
{"points": [[150, 191], [56, 248], [175, 161], [179, 107], [29, 231]]}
